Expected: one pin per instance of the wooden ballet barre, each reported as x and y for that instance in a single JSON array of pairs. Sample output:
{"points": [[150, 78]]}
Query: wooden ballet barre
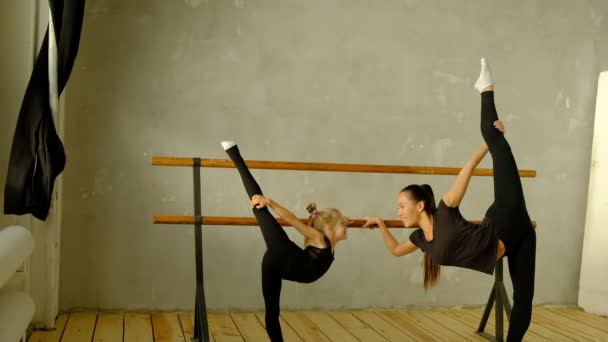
{"points": [[498, 294], [280, 165], [251, 221]]}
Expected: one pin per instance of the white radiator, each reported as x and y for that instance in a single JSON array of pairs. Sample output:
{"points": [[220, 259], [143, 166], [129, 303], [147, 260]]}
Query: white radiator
{"points": [[16, 306], [16, 244], [16, 312]]}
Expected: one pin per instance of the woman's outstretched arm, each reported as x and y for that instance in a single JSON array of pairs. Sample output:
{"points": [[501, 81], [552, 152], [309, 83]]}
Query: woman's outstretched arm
{"points": [[392, 245]]}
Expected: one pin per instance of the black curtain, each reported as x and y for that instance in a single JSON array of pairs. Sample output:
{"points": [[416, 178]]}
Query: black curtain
{"points": [[37, 154]]}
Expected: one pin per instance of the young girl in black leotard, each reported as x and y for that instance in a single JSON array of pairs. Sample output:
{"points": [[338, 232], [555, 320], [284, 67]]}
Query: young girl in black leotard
{"points": [[283, 258]]}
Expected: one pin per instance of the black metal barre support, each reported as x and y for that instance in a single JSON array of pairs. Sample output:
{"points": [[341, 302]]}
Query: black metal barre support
{"points": [[498, 295], [201, 326]]}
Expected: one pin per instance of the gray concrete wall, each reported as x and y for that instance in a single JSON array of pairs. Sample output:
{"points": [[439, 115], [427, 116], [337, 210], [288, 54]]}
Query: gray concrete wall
{"points": [[324, 81]]}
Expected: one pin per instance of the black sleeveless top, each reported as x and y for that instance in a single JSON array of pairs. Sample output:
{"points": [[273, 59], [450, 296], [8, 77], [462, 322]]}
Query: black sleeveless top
{"points": [[458, 242], [323, 257]]}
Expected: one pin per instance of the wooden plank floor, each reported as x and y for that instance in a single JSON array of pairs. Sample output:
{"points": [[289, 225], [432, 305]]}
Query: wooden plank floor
{"points": [[548, 324]]}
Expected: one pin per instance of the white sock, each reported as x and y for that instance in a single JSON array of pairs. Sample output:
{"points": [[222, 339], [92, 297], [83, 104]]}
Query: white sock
{"points": [[485, 76], [228, 144]]}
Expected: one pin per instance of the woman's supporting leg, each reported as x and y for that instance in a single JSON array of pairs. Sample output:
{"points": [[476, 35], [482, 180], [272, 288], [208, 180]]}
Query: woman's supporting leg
{"points": [[273, 233], [271, 288], [522, 264]]}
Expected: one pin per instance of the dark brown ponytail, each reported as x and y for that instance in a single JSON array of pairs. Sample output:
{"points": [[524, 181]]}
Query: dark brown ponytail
{"points": [[432, 269]]}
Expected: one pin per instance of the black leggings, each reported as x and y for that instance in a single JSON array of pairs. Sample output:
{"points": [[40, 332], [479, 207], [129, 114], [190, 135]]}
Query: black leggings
{"points": [[283, 258], [510, 218]]}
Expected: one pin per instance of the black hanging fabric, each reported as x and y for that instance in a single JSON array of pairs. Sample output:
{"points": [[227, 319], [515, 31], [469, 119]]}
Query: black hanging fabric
{"points": [[37, 155]]}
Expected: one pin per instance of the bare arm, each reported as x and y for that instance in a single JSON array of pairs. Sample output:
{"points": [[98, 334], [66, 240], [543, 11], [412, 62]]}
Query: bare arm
{"points": [[392, 245], [310, 233], [454, 196]]}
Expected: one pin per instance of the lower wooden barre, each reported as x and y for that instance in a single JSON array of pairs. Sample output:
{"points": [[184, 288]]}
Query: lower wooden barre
{"points": [[251, 221]]}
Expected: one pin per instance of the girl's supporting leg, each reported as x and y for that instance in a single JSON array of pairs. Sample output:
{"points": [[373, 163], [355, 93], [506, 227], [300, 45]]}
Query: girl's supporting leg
{"points": [[271, 288]]}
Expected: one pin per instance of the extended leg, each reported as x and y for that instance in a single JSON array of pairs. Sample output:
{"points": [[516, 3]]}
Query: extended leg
{"points": [[274, 235]]}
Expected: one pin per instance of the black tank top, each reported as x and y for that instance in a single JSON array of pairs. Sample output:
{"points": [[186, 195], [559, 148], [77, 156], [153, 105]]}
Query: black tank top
{"points": [[458, 242], [322, 256]]}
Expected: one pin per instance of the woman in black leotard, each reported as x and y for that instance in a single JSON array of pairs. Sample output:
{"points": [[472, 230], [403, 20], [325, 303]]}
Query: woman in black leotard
{"points": [[283, 258], [446, 238]]}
